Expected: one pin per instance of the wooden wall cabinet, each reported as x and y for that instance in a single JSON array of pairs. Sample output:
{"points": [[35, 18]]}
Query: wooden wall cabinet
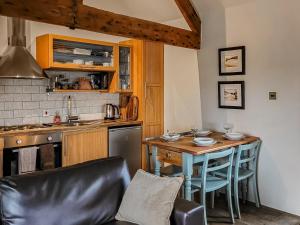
{"points": [[69, 53], [122, 81], [84, 145]]}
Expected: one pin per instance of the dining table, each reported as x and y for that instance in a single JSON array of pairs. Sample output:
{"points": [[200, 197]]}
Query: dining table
{"points": [[185, 153]]}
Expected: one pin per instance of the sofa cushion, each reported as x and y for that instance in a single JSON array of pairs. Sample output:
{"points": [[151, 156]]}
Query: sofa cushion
{"points": [[88, 193], [149, 199], [120, 223]]}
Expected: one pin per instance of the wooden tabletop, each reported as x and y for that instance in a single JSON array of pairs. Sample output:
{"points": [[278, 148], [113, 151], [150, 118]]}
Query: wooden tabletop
{"points": [[185, 144]]}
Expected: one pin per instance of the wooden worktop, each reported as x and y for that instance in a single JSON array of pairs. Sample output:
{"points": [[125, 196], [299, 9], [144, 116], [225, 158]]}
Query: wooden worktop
{"points": [[63, 127]]}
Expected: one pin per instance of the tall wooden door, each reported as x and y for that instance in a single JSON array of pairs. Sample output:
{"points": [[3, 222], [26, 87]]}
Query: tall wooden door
{"points": [[154, 89], [85, 145]]}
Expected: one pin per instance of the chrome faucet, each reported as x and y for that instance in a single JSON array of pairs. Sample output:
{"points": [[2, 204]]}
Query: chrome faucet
{"points": [[70, 118]]}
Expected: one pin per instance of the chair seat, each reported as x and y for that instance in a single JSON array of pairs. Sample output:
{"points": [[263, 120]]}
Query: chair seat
{"points": [[243, 173], [171, 171], [212, 183]]}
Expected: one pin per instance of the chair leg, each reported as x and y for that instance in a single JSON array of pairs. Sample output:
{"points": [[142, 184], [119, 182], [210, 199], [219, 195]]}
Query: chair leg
{"points": [[212, 199], [255, 189], [244, 190], [203, 202], [229, 200], [236, 198]]}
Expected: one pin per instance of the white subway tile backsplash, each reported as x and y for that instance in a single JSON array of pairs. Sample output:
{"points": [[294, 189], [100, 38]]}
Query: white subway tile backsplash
{"points": [[22, 97], [31, 105], [13, 89], [21, 82], [39, 97], [39, 82], [31, 89], [13, 105], [6, 82], [13, 122], [31, 120], [22, 113], [6, 114], [6, 97], [23, 102], [2, 89]]}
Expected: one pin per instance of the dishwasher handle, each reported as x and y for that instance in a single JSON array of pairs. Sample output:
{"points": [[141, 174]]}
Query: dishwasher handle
{"points": [[125, 128]]}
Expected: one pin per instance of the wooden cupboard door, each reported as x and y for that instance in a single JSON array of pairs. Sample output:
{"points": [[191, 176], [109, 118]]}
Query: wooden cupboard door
{"points": [[82, 146], [153, 92], [154, 89]]}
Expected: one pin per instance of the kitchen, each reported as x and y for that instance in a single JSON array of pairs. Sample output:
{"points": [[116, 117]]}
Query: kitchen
{"points": [[76, 108], [116, 87]]}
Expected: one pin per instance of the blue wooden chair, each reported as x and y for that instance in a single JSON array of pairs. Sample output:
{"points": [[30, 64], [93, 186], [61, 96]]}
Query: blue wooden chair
{"points": [[245, 167], [208, 182]]}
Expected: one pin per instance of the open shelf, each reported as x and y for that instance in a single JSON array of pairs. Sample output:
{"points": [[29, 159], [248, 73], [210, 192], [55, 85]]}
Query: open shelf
{"points": [[77, 91]]}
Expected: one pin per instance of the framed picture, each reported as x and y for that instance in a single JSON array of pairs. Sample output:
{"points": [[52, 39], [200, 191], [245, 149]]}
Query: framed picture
{"points": [[231, 94], [232, 61]]}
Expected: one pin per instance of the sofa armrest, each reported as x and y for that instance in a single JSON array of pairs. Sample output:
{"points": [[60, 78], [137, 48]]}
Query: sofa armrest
{"points": [[187, 213]]}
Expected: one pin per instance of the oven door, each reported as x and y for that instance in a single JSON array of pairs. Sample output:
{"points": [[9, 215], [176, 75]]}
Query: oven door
{"points": [[12, 157]]}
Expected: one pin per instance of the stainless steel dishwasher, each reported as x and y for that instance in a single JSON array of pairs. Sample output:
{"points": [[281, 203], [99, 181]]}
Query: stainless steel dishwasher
{"points": [[127, 143]]}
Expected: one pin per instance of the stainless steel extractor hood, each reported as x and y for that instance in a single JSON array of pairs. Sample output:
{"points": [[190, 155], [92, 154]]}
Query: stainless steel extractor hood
{"points": [[17, 62]]}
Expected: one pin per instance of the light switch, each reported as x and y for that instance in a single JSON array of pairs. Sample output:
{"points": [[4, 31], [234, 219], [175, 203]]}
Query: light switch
{"points": [[272, 95]]}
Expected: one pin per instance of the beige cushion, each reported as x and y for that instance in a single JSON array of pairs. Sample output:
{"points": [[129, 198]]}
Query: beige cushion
{"points": [[149, 199]]}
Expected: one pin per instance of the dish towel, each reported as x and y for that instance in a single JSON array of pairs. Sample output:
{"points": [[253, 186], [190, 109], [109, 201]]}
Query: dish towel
{"points": [[47, 157], [27, 159]]}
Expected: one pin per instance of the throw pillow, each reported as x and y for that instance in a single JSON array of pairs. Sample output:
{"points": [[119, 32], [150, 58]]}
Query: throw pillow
{"points": [[149, 199]]}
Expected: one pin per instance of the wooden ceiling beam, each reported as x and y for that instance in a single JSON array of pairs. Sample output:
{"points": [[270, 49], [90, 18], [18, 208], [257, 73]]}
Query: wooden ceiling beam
{"points": [[189, 13], [61, 12]]}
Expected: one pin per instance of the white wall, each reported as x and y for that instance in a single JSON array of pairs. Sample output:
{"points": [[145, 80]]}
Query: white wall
{"points": [[270, 30], [212, 14], [182, 89]]}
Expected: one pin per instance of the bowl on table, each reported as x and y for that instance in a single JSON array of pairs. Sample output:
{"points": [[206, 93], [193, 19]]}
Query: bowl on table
{"points": [[203, 133], [170, 137], [204, 141], [234, 136]]}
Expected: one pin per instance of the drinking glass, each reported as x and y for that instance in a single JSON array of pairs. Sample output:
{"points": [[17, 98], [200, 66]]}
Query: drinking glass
{"points": [[228, 127]]}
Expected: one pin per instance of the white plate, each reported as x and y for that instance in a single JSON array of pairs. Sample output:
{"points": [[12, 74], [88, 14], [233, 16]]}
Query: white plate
{"points": [[203, 133], [204, 145]]}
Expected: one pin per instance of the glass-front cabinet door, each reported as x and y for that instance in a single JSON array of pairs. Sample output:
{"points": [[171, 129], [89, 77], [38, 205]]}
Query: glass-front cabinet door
{"points": [[125, 67]]}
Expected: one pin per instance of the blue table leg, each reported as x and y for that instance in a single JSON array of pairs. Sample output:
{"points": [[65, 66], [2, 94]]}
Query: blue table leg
{"points": [[155, 161], [187, 165]]}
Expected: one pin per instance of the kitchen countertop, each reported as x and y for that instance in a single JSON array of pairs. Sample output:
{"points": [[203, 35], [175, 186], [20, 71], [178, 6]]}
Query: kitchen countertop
{"points": [[64, 127]]}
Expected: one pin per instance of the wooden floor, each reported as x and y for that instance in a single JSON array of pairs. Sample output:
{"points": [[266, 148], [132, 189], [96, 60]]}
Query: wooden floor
{"points": [[250, 216]]}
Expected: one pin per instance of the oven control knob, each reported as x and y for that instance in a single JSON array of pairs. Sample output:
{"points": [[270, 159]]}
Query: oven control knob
{"points": [[49, 138], [19, 141]]}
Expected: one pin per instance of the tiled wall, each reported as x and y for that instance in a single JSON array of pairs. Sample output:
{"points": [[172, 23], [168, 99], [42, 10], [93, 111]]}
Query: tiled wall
{"points": [[23, 102]]}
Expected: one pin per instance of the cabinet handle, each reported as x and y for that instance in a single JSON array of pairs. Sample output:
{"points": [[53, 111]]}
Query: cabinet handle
{"points": [[145, 90], [168, 155]]}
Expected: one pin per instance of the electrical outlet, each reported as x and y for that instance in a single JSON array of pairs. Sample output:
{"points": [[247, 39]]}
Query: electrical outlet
{"points": [[45, 113], [272, 95]]}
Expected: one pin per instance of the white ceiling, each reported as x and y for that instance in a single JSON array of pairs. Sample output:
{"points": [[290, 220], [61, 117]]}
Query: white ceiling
{"points": [[229, 3], [153, 10]]}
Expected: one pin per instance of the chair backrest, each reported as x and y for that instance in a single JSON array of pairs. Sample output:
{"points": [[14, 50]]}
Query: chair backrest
{"points": [[247, 154], [225, 160]]}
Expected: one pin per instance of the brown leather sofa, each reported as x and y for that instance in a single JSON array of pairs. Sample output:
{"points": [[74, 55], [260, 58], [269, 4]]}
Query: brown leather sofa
{"points": [[85, 194]]}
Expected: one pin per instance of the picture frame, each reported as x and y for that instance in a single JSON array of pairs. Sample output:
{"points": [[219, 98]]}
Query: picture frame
{"points": [[232, 61], [231, 94]]}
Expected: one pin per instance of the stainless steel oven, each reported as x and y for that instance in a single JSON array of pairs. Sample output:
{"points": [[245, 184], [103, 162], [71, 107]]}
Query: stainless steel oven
{"points": [[16, 143]]}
